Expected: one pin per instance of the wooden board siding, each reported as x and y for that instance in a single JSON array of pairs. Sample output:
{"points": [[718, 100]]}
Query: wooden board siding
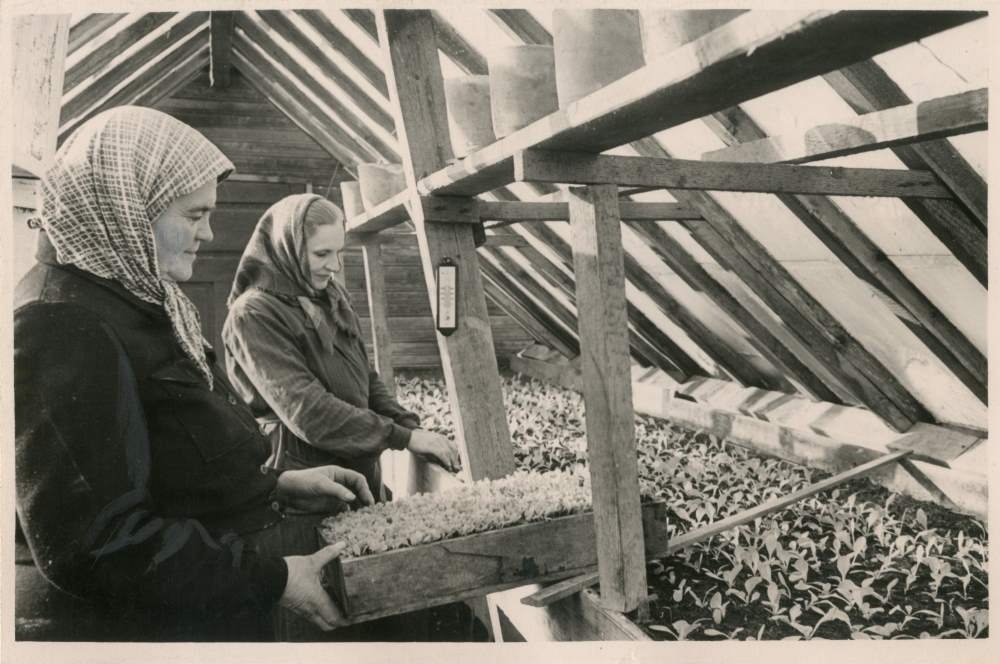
{"points": [[261, 141]]}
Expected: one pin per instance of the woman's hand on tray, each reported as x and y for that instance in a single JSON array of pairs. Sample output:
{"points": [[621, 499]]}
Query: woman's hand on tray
{"points": [[304, 593], [434, 447], [325, 489]]}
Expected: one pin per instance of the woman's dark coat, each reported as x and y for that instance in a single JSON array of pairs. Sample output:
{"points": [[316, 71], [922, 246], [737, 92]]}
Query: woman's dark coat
{"points": [[139, 490]]}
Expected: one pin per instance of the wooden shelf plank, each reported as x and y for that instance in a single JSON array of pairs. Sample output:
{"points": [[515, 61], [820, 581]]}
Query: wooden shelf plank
{"points": [[388, 213], [687, 174], [951, 115], [755, 53]]}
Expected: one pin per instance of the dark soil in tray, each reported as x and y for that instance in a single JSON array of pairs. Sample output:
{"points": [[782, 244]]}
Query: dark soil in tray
{"points": [[855, 562]]}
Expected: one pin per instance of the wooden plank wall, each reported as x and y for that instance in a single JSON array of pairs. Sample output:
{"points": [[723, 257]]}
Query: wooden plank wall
{"points": [[261, 141]]}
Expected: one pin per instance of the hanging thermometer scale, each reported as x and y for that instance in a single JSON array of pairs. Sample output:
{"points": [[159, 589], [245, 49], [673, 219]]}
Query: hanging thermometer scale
{"points": [[447, 296]]}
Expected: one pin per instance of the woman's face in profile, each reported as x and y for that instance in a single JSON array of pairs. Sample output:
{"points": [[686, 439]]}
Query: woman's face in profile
{"points": [[179, 231], [323, 249]]}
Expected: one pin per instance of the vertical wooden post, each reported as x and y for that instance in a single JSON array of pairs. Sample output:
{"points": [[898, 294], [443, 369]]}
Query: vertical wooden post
{"points": [[598, 263], [416, 89]]}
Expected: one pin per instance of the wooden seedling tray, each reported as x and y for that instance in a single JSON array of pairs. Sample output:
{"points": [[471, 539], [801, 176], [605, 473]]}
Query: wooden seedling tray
{"points": [[426, 575]]}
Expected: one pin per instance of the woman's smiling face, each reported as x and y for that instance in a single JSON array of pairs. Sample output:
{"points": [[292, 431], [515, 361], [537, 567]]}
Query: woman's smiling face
{"points": [[179, 231], [323, 249]]}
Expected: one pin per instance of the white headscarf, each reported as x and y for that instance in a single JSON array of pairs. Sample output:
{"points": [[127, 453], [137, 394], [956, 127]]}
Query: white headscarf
{"points": [[111, 179]]}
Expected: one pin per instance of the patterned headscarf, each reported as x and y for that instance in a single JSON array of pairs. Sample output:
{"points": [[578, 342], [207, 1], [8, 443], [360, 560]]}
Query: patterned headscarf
{"points": [[111, 179], [275, 260]]}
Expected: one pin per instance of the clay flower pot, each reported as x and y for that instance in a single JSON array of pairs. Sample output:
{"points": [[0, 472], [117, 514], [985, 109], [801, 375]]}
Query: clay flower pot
{"points": [[470, 120], [522, 86], [380, 182], [594, 47], [665, 30], [350, 196]]}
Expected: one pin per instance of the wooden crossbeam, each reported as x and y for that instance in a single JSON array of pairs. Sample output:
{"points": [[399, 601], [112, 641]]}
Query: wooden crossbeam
{"points": [[563, 589], [575, 168], [351, 122], [88, 28], [342, 43], [951, 115], [222, 26], [265, 78], [528, 211], [191, 48], [97, 61], [607, 393], [960, 225], [413, 76], [865, 259], [753, 54]]}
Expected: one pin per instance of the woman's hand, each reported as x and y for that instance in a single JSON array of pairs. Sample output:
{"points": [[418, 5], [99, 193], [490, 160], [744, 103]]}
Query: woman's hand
{"points": [[434, 447], [325, 489], [304, 593]]}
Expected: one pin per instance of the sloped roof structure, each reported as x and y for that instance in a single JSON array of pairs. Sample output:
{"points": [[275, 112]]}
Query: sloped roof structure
{"points": [[853, 292]]}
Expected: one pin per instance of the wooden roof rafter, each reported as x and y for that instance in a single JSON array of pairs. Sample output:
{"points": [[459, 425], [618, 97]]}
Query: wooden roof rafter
{"points": [[960, 227], [342, 43], [88, 28], [255, 38], [84, 97], [863, 257], [181, 52], [262, 75]]}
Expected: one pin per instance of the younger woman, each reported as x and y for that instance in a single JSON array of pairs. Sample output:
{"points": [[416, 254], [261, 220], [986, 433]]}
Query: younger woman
{"points": [[296, 356]]}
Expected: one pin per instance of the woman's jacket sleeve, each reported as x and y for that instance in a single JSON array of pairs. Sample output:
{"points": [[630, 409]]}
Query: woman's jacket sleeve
{"points": [[267, 352]]}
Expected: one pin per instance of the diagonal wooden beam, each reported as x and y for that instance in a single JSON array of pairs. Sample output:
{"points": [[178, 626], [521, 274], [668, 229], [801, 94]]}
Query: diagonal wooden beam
{"points": [[99, 59], [456, 47], [190, 48], [500, 289], [866, 87], [579, 168], [172, 82], [342, 43], [369, 106], [864, 258], [647, 339], [767, 344], [364, 19], [305, 116], [416, 88], [351, 122], [519, 23], [222, 24], [951, 115], [89, 28], [110, 78], [961, 225]]}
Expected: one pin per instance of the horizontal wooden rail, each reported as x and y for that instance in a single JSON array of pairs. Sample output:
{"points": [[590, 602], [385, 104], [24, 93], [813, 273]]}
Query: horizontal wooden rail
{"points": [[528, 211], [568, 587], [942, 117], [577, 168], [755, 53]]}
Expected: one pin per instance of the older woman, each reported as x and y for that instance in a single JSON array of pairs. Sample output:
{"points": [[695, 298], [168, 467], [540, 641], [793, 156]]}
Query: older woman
{"points": [[296, 356], [142, 493]]}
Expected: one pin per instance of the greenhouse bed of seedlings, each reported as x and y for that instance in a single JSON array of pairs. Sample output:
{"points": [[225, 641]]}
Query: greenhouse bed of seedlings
{"points": [[857, 562]]}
